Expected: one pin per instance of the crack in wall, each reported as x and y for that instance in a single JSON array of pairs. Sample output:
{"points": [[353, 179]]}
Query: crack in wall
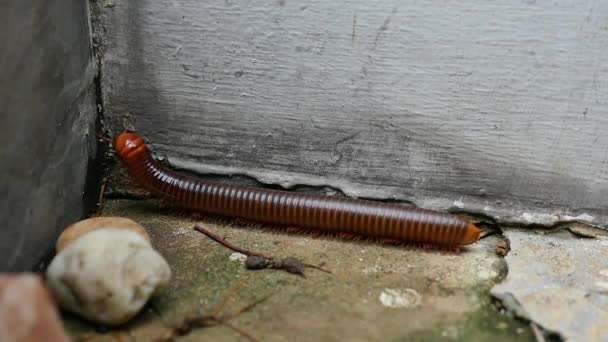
{"points": [[247, 178]]}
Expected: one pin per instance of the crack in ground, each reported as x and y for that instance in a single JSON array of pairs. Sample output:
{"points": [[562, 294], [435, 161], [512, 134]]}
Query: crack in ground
{"points": [[509, 305]]}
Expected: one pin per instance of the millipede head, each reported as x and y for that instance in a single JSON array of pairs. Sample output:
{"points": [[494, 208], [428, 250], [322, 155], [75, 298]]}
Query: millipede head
{"points": [[471, 235], [128, 144]]}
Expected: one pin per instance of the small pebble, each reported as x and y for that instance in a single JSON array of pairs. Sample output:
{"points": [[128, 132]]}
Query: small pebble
{"points": [[502, 325], [602, 286], [237, 257], [400, 298], [107, 275]]}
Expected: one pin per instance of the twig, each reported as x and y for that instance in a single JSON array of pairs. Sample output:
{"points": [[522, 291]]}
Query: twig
{"points": [[538, 334], [106, 139], [317, 268], [238, 331], [245, 308], [190, 323], [257, 261], [100, 199], [231, 292], [226, 244]]}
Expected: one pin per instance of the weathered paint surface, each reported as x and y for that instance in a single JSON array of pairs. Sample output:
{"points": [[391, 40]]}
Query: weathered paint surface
{"points": [[480, 106], [47, 112]]}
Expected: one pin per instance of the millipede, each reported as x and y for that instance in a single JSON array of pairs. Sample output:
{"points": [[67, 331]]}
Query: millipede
{"points": [[323, 213]]}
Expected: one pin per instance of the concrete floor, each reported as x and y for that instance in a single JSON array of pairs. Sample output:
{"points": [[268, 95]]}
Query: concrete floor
{"points": [[375, 292]]}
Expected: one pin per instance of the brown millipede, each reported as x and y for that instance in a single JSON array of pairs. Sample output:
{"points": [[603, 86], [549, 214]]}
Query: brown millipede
{"points": [[328, 214]]}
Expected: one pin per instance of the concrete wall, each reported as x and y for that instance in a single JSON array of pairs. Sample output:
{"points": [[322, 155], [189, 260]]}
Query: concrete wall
{"points": [[493, 107], [47, 112]]}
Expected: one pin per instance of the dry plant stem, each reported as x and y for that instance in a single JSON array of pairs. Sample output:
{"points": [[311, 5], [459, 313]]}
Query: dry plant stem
{"points": [[100, 199], [226, 244], [238, 331], [317, 268], [191, 323], [244, 309], [538, 334], [231, 292], [234, 248]]}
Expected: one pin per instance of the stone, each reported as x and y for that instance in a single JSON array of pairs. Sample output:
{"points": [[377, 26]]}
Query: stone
{"points": [[555, 280], [107, 275], [80, 228], [400, 298], [27, 310]]}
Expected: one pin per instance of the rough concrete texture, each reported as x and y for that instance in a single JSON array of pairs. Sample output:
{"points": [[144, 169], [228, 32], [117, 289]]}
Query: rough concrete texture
{"points": [[558, 281], [47, 120], [482, 106], [374, 293]]}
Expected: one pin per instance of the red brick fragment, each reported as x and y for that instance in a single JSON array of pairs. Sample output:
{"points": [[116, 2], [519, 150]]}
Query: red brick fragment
{"points": [[27, 310]]}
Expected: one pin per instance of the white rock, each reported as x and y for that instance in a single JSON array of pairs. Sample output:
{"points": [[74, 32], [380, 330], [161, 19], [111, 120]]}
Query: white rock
{"points": [[237, 257], [400, 298], [107, 275]]}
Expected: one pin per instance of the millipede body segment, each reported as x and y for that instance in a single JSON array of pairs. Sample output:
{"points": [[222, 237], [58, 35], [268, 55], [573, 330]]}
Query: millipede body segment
{"points": [[319, 212]]}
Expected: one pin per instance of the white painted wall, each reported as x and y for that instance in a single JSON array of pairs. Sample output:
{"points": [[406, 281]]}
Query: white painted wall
{"points": [[494, 107]]}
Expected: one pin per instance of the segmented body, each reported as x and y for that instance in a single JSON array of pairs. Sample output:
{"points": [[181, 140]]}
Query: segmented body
{"points": [[319, 212]]}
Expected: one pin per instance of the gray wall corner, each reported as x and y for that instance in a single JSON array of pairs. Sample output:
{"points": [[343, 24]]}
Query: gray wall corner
{"points": [[47, 123]]}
